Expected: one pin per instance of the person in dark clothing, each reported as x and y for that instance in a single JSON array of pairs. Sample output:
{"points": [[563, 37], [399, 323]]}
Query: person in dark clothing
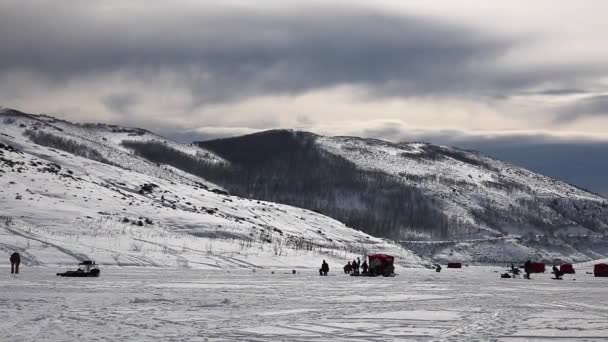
{"points": [[348, 268], [514, 270], [557, 272], [324, 268], [364, 267], [528, 269], [15, 261], [355, 267]]}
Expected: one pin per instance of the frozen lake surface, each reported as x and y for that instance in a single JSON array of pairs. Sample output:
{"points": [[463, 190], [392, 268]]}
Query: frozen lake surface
{"points": [[145, 304]]}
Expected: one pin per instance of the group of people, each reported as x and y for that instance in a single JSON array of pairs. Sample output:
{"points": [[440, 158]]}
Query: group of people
{"points": [[528, 270], [354, 267]]}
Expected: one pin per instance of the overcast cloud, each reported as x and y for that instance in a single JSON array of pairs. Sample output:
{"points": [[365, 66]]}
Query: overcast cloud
{"points": [[388, 69]]}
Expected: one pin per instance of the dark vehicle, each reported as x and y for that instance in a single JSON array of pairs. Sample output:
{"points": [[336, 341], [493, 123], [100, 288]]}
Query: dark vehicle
{"points": [[600, 270], [86, 268], [380, 265], [454, 265]]}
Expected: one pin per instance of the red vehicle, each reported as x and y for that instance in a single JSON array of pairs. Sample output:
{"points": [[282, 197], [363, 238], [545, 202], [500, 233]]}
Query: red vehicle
{"points": [[381, 264], [600, 270], [567, 269], [537, 267], [454, 265]]}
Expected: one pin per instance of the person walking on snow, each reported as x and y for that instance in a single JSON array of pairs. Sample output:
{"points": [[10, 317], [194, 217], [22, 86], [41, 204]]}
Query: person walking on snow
{"points": [[15, 261]]}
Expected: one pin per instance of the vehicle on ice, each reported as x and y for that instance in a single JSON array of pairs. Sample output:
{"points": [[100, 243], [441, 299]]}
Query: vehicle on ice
{"points": [[86, 268]]}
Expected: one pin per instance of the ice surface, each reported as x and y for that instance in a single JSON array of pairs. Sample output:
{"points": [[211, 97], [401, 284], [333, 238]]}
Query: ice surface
{"points": [[146, 303]]}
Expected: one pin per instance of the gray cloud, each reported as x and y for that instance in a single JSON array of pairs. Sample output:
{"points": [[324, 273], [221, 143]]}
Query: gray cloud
{"points": [[222, 53], [120, 102], [586, 107]]}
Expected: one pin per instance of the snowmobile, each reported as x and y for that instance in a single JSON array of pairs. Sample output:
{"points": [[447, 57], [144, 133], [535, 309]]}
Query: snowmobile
{"points": [[86, 268]]}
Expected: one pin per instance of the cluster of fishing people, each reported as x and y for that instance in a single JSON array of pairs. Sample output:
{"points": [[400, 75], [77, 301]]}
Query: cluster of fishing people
{"points": [[528, 269], [355, 267]]}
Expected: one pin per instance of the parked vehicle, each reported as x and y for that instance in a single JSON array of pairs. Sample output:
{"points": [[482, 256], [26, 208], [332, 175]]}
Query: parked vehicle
{"points": [[86, 268]]}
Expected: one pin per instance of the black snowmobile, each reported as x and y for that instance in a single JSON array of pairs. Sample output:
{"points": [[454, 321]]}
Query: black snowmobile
{"points": [[86, 268]]}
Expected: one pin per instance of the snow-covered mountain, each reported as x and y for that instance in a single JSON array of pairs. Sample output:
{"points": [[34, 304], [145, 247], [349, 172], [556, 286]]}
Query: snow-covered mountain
{"points": [[70, 192], [475, 207], [408, 191], [442, 202]]}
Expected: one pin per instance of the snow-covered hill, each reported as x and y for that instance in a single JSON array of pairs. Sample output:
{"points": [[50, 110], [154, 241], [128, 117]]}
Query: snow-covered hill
{"points": [[79, 194], [409, 190], [420, 191], [474, 208], [480, 192]]}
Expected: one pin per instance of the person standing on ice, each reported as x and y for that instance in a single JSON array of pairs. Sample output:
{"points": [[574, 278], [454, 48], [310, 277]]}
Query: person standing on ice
{"points": [[324, 268], [527, 268], [364, 267], [15, 261], [355, 267]]}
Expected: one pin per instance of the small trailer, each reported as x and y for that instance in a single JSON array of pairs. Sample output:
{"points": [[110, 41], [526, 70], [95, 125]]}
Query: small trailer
{"points": [[86, 268], [537, 267], [567, 269], [600, 270]]}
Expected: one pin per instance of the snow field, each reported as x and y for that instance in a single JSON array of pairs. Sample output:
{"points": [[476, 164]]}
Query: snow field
{"points": [[141, 304]]}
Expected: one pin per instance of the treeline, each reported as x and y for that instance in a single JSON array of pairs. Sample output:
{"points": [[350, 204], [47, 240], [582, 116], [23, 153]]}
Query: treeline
{"points": [[65, 144]]}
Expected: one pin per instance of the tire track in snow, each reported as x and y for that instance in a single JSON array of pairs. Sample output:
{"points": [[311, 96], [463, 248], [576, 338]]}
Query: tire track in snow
{"points": [[78, 256]]}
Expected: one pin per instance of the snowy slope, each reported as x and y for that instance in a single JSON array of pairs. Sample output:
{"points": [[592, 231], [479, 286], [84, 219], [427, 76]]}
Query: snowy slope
{"points": [[57, 207], [470, 186], [106, 140]]}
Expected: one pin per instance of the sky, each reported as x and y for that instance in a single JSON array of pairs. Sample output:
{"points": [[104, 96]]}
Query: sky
{"points": [[523, 81]]}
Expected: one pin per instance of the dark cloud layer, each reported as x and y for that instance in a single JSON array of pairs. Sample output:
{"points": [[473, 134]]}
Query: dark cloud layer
{"points": [[586, 107], [222, 53]]}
